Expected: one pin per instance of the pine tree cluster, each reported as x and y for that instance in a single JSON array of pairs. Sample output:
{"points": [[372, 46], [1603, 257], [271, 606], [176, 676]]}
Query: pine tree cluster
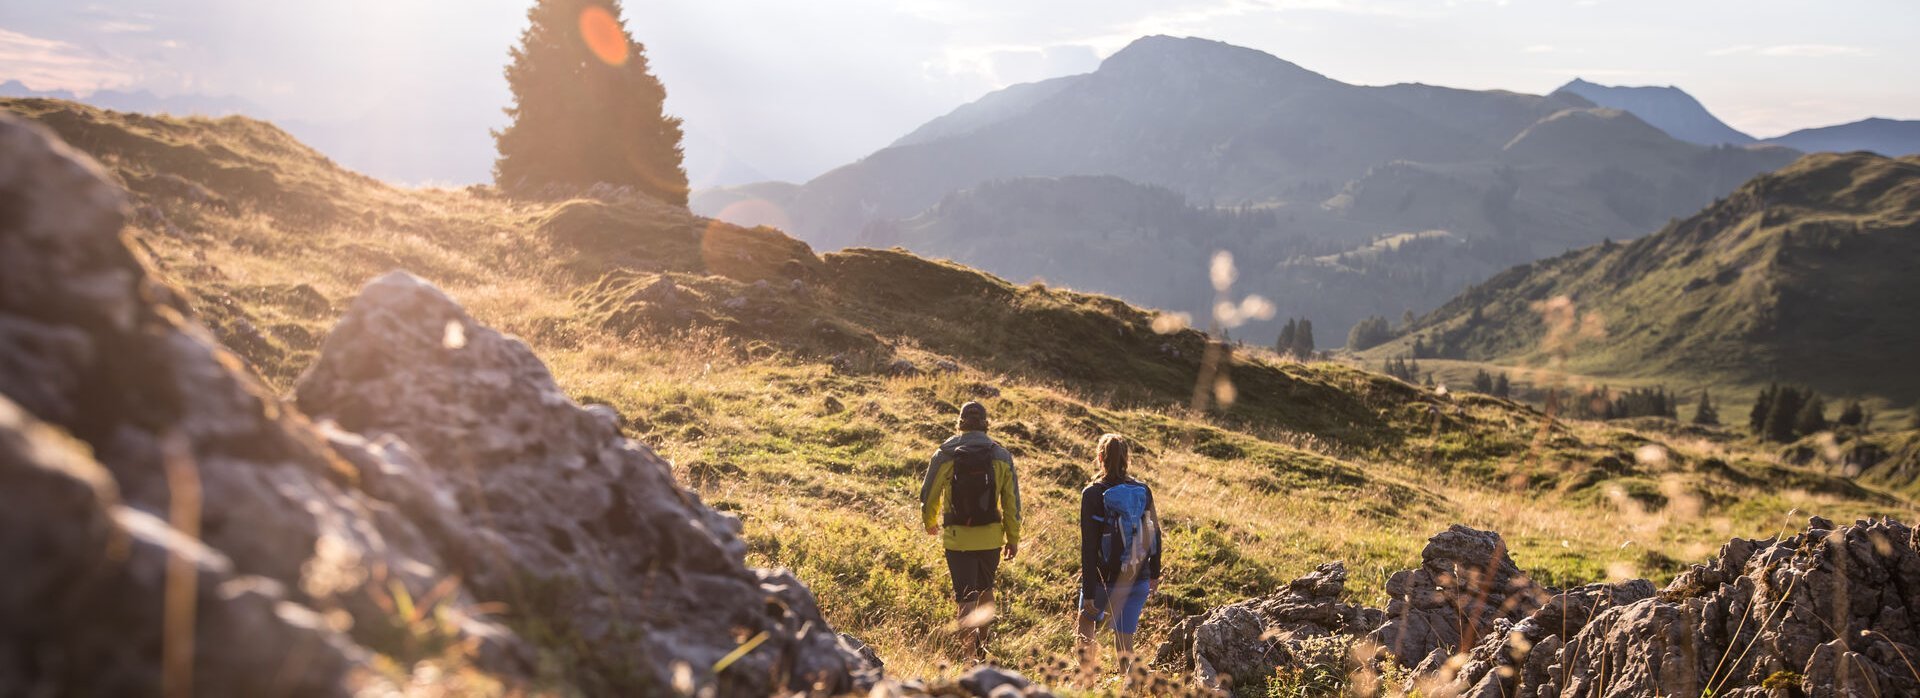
{"points": [[1404, 369], [1605, 403], [1785, 414], [1492, 384], [1296, 339]]}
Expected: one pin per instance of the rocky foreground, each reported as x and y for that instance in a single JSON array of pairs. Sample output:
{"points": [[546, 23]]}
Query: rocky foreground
{"points": [[1829, 611], [431, 513], [433, 500]]}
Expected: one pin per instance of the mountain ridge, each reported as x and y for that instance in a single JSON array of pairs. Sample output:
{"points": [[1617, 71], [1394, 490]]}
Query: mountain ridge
{"points": [[1667, 108], [1676, 112], [1231, 127], [1802, 276]]}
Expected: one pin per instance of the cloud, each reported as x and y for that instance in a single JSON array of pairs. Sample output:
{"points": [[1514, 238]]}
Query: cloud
{"points": [[121, 26], [48, 64], [1791, 50], [1000, 66], [1540, 48]]}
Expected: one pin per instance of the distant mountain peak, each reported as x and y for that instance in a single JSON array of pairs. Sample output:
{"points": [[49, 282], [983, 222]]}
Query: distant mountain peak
{"points": [[1665, 107], [1205, 58], [1583, 83], [1890, 137]]}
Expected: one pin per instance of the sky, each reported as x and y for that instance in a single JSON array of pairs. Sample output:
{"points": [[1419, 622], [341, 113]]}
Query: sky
{"points": [[780, 89]]}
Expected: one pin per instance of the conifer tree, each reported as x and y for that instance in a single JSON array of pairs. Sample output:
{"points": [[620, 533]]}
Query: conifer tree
{"points": [[1705, 414], [586, 109], [1303, 339], [1502, 388], [1483, 382], [1762, 406], [1284, 345], [1368, 333], [1812, 418], [1784, 414]]}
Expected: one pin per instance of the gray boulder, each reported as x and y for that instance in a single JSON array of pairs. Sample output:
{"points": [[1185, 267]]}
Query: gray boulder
{"points": [[1830, 611], [1242, 643], [454, 477], [92, 345], [1464, 584], [556, 514], [90, 584]]}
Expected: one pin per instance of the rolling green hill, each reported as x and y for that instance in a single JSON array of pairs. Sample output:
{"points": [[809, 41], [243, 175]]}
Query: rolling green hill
{"points": [[1810, 275], [803, 392]]}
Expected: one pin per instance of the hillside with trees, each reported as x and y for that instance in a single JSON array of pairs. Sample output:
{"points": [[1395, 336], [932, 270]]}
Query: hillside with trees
{"points": [[1804, 277]]}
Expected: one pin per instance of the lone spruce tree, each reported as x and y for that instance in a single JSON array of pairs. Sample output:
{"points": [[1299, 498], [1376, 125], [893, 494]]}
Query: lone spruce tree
{"points": [[585, 108], [1705, 414]]}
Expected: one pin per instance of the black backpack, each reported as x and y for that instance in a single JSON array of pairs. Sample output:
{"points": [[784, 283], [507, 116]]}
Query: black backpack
{"points": [[973, 500]]}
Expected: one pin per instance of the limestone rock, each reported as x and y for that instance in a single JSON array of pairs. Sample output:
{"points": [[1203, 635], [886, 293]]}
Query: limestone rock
{"points": [[91, 345], [1464, 584], [1832, 607], [1243, 642], [560, 515], [453, 472], [87, 587]]}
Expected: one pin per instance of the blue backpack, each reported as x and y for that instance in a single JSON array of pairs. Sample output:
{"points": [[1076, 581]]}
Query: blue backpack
{"points": [[1125, 542]]}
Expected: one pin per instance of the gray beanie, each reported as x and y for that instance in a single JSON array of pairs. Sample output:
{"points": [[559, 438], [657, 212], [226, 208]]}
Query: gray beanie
{"points": [[973, 417]]}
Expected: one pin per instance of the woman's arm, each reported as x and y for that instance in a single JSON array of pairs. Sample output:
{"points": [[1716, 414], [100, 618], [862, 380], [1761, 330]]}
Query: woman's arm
{"points": [[1090, 512], [1153, 526]]}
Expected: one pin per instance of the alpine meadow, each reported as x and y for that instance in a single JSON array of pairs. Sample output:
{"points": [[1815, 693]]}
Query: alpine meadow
{"points": [[1138, 365]]}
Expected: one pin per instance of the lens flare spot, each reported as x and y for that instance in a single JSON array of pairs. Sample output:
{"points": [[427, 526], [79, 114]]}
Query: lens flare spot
{"points": [[748, 213], [603, 35]]}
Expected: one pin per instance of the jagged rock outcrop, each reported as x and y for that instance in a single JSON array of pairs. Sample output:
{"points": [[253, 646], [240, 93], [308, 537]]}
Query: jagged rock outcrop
{"points": [[1515, 654], [1240, 644], [92, 589], [92, 345], [486, 488], [555, 513], [1464, 584], [1831, 611]]}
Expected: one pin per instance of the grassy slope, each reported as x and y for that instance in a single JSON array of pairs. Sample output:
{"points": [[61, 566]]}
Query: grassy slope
{"points": [[1802, 276], [773, 398]]}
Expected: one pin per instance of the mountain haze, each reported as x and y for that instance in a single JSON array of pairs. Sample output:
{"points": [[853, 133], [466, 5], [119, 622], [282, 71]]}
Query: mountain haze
{"points": [[1889, 137], [1484, 179], [1680, 115], [1667, 108]]}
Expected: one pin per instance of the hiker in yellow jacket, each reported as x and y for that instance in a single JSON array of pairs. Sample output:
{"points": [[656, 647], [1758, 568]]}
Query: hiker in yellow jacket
{"points": [[971, 499]]}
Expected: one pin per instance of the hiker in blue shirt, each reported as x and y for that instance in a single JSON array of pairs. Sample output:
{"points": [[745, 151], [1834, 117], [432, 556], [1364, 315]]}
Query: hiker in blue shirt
{"points": [[1119, 554]]}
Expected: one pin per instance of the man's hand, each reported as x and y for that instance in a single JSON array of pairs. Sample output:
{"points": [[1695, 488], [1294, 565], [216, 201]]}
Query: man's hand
{"points": [[1090, 609], [933, 530], [1012, 550]]}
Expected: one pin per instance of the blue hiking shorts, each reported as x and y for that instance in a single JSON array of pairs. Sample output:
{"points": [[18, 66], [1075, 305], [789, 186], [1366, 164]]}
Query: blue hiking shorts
{"points": [[1119, 605]]}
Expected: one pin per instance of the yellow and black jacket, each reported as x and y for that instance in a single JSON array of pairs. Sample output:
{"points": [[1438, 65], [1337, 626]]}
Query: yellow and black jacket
{"points": [[934, 500]]}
